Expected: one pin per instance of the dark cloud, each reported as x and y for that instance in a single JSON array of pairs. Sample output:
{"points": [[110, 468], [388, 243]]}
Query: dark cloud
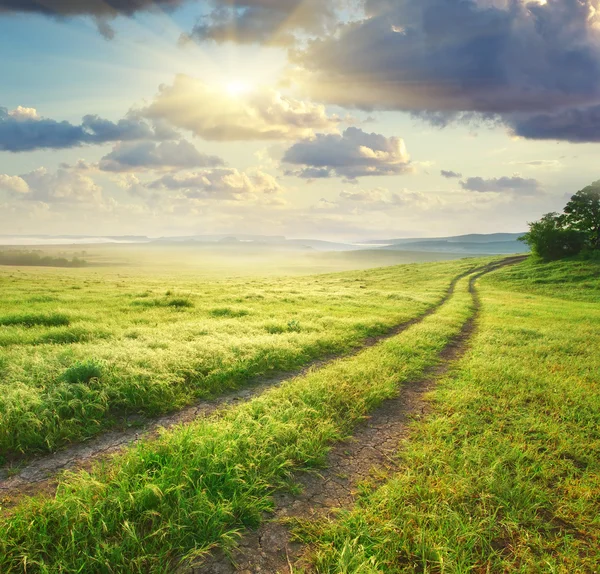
{"points": [[22, 130], [449, 59], [85, 7], [353, 154], [263, 21], [577, 125], [501, 184], [104, 27], [102, 11], [148, 155], [450, 174]]}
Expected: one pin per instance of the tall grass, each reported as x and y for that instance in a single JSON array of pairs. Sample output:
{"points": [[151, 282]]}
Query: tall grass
{"points": [[197, 486]]}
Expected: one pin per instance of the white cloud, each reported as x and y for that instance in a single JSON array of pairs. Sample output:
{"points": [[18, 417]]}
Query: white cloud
{"points": [[24, 113], [215, 114], [14, 184]]}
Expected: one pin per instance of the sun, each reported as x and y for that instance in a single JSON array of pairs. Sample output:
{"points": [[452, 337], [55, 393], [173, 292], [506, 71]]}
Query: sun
{"points": [[237, 88]]}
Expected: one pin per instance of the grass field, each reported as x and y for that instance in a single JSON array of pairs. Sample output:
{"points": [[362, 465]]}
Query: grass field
{"points": [[81, 349], [198, 485], [504, 476]]}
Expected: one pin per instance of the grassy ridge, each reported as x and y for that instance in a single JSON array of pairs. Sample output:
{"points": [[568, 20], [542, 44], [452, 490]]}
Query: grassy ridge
{"points": [[197, 485], [504, 476], [82, 351]]}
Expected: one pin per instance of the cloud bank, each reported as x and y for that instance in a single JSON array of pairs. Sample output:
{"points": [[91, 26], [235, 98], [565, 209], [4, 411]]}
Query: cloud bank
{"points": [[535, 65], [23, 130], [85, 7], [101, 10]]}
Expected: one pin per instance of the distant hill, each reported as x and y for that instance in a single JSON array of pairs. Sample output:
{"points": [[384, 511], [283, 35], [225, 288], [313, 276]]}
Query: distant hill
{"points": [[471, 238], [472, 244]]}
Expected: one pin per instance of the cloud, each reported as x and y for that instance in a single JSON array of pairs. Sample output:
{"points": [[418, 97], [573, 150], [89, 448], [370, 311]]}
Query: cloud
{"points": [[226, 183], [214, 114], [450, 174], [501, 185], [61, 186], [13, 184], [148, 155], [353, 154], [535, 65], [264, 21], [23, 130], [24, 113], [85, 7], [577, 125], [102, 11]]}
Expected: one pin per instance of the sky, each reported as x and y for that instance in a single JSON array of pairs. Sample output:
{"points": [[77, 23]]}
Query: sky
{"points": [[333, 119]]}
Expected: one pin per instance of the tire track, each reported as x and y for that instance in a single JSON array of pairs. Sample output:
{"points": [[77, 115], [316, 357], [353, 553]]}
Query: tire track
{"points": [[368, 456], [40, 475]]}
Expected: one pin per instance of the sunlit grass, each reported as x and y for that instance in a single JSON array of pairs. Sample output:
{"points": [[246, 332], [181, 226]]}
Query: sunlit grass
{"points": [[199, 485], [164, 341], [504, 475]]}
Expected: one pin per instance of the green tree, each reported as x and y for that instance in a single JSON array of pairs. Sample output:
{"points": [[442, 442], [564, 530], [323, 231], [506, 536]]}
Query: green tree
{"points": [[551, 239], [582, 214]]}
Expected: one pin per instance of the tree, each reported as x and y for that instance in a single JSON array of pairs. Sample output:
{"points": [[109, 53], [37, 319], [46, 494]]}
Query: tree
{"points": [[582, 214], [551, 239]]}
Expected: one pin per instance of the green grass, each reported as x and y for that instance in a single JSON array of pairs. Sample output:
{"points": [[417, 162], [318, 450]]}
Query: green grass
{"points": [[198, 485], [576, 279], [504, 475], [165, 341], [35, 320]]}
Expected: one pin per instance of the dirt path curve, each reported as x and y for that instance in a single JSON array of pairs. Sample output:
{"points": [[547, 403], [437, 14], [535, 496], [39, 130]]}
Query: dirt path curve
{"points": [[40, 474], [370, 454]]}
